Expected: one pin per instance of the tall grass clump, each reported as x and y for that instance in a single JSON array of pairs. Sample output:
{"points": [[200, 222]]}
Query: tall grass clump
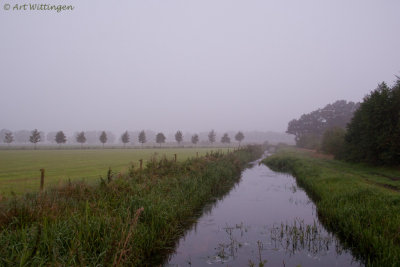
{"points": [[132, 219], [360, 203]]}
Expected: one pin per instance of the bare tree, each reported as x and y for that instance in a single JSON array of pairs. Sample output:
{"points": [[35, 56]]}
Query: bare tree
{"points": [[60, 138], [110, 137], [142, 137], [51, 137], [179, 137], [92, 137], [81, 138], [3, 134], [8, 138], [195, 139], [211, 136], [22, 136], [225, 139], [160, 138], [103, 138], [239, 137], [35, 137], [125, 138]]}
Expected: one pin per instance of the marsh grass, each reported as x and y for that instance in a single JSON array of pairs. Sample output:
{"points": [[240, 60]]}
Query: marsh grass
{"points": [[360, 203], [290, 238], [298, 236], [125, 220]]}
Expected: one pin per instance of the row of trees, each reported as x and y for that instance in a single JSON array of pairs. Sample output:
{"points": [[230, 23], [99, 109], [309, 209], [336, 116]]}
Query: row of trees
{"points": [[60, 137], [22, 136]]}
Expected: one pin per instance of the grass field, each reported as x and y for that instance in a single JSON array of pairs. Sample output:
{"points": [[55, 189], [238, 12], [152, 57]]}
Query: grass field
{"points": [[19, 169], [129, 220], [360, 203]]}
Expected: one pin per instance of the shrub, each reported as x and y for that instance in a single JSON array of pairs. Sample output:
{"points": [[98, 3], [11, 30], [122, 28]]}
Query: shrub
{"points": [[333, 142]]}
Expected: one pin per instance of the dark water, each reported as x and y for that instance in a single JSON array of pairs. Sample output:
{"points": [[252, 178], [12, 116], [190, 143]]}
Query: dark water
{"points": [[266, 219]]}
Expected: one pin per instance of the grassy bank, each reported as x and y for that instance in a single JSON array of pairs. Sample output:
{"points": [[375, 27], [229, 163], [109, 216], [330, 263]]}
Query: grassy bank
{"points": [[19, 169], [360, 203], [129, 220]]}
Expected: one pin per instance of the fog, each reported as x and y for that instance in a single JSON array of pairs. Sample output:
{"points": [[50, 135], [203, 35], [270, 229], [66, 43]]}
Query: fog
{"points": [[194, 65]]}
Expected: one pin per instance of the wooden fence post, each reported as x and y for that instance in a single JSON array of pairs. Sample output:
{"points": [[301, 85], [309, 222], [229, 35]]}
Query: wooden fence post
{"points": [[141, 164], [175, 157], [41, 179], [109, 175]]}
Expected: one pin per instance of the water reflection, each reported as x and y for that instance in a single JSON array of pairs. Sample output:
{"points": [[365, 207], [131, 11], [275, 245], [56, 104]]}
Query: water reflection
{"points": [[265, 219]]}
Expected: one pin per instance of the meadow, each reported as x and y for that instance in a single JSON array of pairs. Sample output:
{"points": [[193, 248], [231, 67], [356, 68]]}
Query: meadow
{"points": [[359, 202], [20, 169], [130, 220]]}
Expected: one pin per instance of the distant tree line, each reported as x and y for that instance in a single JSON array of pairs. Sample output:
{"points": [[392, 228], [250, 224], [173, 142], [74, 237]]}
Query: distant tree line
{"points": [[309, 128], [367, 132]]}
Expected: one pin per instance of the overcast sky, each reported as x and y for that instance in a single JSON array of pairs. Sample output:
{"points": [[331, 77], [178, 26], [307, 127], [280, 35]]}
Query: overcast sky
{"points": [[192, 65]]}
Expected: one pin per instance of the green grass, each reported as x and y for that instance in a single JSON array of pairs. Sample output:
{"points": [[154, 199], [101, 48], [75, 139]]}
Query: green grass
{"points": [[19, 169], [129, 220], [360, 203]]}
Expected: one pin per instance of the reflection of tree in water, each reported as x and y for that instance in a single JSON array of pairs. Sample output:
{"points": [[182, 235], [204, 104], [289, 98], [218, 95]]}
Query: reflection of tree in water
{"points": [[205, 211]]}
